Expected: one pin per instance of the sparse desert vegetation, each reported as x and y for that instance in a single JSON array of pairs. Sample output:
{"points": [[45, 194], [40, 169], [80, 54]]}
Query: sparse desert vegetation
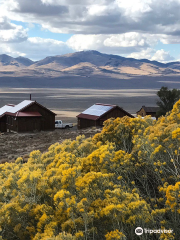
{"points": [[13, 145]]}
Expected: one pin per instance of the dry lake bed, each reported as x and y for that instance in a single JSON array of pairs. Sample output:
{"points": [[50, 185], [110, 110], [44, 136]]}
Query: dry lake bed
{"points": [[69, 96], [68, 103]]}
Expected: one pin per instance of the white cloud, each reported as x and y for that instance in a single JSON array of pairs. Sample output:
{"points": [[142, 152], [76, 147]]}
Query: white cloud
{"points": [[85, 42], [130, 45], [134, 7], [144, 54], [75, 2], [13, 35], [153, 55], [113, 43], [130, 39], [162, 56], [11, 51], [5, 23], [122, 27], [37, 48], [97, 16], [97, 10], [10, 32], [169, 39]]}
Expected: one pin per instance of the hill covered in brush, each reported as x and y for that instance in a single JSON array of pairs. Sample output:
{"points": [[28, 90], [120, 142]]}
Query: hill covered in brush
{"points": [[97, 188]]}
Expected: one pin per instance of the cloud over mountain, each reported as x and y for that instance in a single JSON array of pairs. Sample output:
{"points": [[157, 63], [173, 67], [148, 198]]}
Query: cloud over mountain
{"points": [[124, 27]]}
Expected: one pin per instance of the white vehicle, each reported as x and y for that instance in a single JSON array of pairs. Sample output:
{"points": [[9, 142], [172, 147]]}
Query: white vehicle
{"points": [[60, 124]]}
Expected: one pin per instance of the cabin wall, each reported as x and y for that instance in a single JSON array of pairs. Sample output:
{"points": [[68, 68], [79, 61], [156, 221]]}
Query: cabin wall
{"points": [[28, 124], [3, 125], [11, 123], [47, 119], [85, 123], [23, 124], [114, 113], [142, 113]]}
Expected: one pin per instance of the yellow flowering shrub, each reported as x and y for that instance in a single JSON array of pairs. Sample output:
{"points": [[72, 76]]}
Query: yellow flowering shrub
{"points": [[103, 187], [115, 235]]}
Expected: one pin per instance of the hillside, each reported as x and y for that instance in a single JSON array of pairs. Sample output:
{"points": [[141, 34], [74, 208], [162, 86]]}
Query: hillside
{"points": [[102, 187], [85, 63]]}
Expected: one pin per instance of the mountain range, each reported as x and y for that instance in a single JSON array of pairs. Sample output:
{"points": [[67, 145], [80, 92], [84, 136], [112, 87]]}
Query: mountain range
{"points": [[85, 64]]}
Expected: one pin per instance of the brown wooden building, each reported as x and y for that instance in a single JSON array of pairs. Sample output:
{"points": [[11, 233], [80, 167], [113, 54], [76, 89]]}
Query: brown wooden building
{"points": [[98, 113], [148, 111], [26, 116]]}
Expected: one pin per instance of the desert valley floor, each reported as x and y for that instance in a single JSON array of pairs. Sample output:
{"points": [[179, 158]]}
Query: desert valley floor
{"points": [[67, 102], [67, 97]]}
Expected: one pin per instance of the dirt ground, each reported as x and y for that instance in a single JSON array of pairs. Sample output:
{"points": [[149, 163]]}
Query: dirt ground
{"points": [[14, 145]]}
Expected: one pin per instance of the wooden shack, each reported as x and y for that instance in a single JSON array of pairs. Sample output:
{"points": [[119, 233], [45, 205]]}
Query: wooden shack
{"points": [[26, 116], [98, 113], [152, 111]]}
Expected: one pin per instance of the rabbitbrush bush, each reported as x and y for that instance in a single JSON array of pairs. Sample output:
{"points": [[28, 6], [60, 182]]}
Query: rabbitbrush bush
{"points": [[100, 188]]}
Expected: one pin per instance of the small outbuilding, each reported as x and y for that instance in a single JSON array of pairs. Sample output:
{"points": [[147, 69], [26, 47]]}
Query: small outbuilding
{"points": [[98, 113], [26, 116], [152, 111]]}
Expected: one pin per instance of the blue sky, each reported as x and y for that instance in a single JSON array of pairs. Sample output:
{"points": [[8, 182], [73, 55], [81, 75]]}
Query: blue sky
{"points": [[131, 28], [35, 30]]}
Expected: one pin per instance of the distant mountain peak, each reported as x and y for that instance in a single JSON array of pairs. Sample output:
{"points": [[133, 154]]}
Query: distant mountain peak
{"points": [[8, 60], [92, 51], [2, 56], [89, 62], [21, 57], [24, 61]]}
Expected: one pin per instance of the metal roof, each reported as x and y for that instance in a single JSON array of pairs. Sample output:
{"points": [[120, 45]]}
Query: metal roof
{"points": [[4, 109], [15, 110], [20, 106], [97, 109]]}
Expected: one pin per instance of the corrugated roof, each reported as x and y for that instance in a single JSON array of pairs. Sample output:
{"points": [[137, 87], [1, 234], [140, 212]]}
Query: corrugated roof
{"points": [[5, 109], [20, 106], [98, 109], [14, 108]]}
